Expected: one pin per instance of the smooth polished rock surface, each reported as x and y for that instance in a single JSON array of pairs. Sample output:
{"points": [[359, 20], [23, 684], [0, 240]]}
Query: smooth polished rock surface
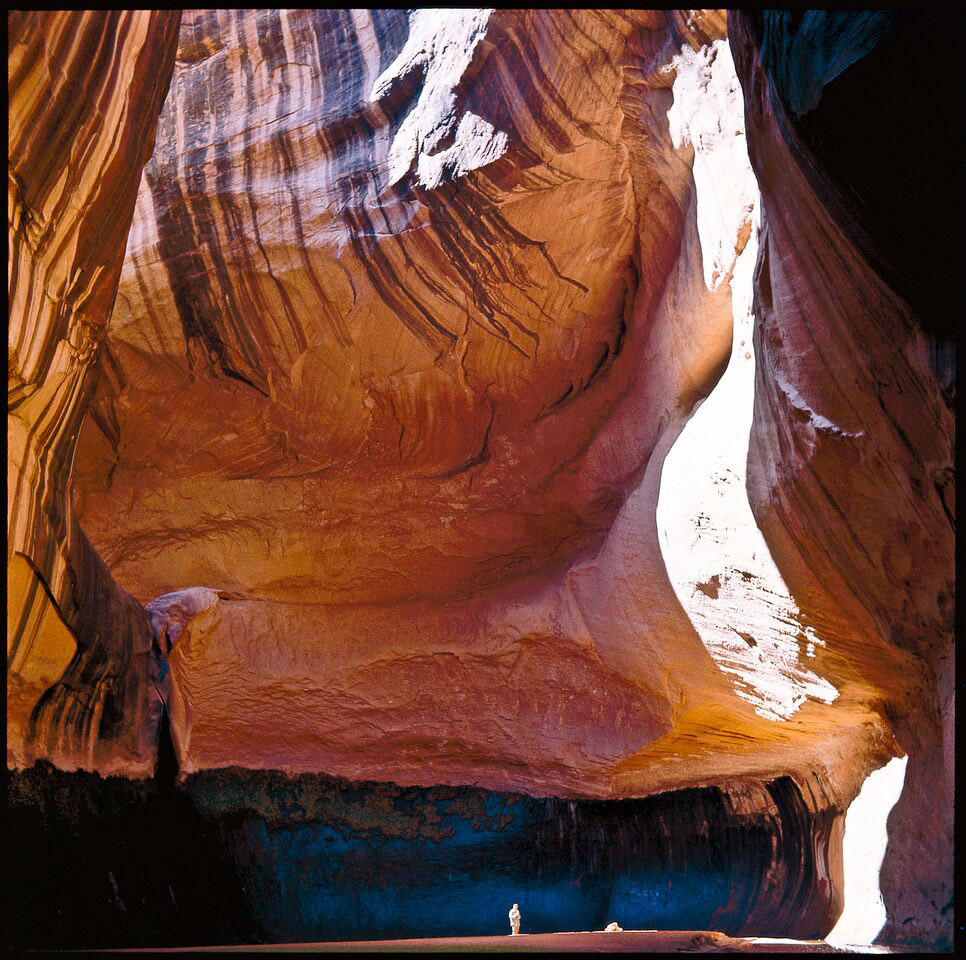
{"points": [[851, 463]]}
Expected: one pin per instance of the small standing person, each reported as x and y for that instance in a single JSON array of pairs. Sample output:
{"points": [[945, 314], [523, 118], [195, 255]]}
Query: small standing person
{"points": [[514, 919]]}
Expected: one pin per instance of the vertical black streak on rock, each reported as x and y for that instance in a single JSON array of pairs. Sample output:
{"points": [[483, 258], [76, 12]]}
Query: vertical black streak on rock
{"points": [[273, 49], [290, 313]]}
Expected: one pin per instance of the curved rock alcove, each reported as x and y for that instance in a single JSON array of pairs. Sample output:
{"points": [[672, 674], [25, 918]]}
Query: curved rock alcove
{"points": [[458, 456]]}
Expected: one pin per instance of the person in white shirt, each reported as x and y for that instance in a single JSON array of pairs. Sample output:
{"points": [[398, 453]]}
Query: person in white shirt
{"points": [[514, 919]]}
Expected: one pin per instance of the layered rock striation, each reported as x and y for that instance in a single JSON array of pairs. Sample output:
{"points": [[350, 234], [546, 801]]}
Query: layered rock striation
{"points": [[852, 445], [402, 448], [398, 351], [85, 92], [379, 345]]}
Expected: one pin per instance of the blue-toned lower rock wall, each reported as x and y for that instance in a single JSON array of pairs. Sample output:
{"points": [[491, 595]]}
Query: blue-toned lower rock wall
{"points": [[379, 861], [234, 855]]}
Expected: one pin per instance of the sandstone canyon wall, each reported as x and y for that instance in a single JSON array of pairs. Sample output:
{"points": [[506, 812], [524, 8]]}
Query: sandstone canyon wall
{"points": [[852, 451], [435, 469], [378, 448], [85, 93]]}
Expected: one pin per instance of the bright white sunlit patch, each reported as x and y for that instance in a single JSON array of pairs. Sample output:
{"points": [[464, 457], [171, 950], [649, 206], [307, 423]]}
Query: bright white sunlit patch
{"points": [[434, 137], [863, 849], [715, 555]]}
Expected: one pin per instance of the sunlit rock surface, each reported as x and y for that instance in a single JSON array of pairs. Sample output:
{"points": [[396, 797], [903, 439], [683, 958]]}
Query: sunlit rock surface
{"points": [[413, 313], [399, 400], [84, 95], [716, 557]]}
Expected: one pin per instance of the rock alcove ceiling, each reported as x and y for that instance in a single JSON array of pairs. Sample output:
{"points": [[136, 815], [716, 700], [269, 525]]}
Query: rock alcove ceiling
{"points": [[358, 498]]}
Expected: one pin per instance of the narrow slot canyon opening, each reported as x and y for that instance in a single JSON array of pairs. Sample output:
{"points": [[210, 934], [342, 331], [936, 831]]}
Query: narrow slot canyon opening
{"points": [[716, 557], [863, 850]]}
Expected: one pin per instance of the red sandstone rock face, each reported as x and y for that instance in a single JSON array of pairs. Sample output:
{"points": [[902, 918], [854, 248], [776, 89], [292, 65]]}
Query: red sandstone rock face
{"points": [[411, 313], [850, 476], [85, 92], [355, 378], [486, 591], [448, 454], [406, 417]]}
